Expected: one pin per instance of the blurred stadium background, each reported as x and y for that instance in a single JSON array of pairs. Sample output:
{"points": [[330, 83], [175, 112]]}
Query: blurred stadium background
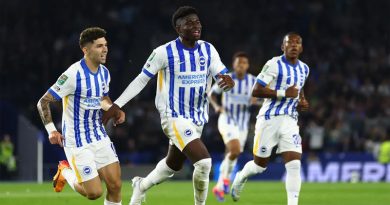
{"points": [[346, 44]]}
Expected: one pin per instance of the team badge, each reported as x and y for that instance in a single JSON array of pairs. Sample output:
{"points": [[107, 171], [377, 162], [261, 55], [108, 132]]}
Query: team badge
{"points": [[202, 61], [263, 149], [188, 132], [87, 170], [62, 79]]}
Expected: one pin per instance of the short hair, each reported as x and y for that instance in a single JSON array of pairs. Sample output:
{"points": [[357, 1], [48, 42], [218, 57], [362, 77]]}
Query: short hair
{"points": [[182, 12], [240, 54], [292, 33], [91, 34]]}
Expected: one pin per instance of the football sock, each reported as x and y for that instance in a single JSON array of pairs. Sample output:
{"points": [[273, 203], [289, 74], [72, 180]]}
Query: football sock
{"points": [[200, 180], [225, 170], [70, 177], [161, 173], [250, 169], [106, 202], [293, 181]]}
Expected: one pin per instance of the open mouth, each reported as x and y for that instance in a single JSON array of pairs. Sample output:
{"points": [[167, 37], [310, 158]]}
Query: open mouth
{"points": [[196, 33]]}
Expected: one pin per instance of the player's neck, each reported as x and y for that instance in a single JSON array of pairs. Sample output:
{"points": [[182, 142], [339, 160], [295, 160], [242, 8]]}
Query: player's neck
{"points": [[187, 43], [293, 61], [93, 67], [240, 75]]}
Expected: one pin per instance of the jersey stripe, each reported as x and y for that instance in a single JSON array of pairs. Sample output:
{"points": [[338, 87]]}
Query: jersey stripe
{"points": [[200, 98], [192, 103], [171, 79], [208, 54], [192, 60], [277, 87], [181, 57], [181, 101], [95, 131], [76, 110]]}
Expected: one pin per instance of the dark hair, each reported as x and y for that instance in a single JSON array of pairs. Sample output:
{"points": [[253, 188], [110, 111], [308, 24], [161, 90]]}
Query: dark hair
{"points": [[182, 12], [91, 34], [292, 33], [240, 54]]}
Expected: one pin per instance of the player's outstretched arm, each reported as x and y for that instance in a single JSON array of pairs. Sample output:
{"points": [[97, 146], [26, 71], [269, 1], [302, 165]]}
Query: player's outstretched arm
{"points": [[118, 114], [44, 111], [132, 90], [261, 91]]}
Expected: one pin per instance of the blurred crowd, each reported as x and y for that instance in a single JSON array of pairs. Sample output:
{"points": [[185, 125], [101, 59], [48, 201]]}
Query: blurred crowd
{"points": [[346, 45]]}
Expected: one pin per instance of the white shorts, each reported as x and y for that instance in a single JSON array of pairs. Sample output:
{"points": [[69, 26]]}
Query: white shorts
{"points": [[180, 131], [279, 130], [231, 131], [86, 161]]}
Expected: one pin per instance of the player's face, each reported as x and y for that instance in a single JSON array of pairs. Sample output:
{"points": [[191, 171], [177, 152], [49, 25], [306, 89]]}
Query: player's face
{"points": [[189, 27], [241, 65], [292, 46], [97, 51]]}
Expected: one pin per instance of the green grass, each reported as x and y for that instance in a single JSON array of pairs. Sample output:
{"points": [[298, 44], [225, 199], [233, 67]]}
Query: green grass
{"points": [[180, 193]]}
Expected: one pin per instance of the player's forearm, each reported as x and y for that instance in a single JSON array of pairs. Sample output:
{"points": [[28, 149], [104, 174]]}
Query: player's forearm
{"points": [[132, 89], [44, 108], [263, 92], [44, 111], [106, 103]]}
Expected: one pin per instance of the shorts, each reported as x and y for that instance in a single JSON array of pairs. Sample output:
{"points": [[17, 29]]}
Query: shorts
{"points": [[180, 131], [231, 131], [282, 131], [86, 161]]}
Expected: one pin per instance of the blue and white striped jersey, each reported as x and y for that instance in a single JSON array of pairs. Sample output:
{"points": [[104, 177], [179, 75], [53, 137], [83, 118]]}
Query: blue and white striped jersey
{"points": [[81, 92], [279, 74], [236, 102], [184, 77]]}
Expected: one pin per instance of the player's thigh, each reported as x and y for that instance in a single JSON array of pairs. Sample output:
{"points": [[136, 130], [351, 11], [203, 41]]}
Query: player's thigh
{"points": [[196, 150], [226, 127], [265, 137], [82, 162], [175, 158], [290, 139], [107, 164], [111, 174], [93, 187]]}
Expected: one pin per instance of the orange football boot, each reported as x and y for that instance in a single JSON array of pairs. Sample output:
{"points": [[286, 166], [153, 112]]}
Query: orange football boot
{"points": [[59, 181]]}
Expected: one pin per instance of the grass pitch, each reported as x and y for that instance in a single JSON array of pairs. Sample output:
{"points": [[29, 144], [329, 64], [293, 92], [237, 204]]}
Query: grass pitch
{"points": [[180, 193]]}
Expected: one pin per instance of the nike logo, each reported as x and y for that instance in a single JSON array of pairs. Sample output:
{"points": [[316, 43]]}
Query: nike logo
{"points": [[181, 62]]}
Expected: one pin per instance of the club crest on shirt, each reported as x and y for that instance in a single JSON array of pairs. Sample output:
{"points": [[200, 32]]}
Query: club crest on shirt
{"points": [[202, 61], [62, 79]]}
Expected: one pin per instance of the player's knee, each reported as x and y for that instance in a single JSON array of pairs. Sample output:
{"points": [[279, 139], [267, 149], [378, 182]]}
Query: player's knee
{"points": [[294, 165], [114, 186], [203, 166], [93, 195], [234, 153]]}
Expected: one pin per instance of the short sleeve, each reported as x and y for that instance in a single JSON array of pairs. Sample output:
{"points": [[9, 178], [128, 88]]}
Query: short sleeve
{"points": [[267, 74], [216, 89], [216, 65], [64, 85], [156, 61]]}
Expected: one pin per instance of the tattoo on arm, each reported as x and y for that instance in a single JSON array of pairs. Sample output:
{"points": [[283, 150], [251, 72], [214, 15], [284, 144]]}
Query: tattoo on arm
{"points": [[44, 108]]}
